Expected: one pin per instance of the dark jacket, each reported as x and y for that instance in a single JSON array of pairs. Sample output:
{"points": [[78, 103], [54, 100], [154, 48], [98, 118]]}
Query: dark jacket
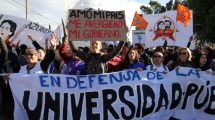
{"points": [[96, 63]]}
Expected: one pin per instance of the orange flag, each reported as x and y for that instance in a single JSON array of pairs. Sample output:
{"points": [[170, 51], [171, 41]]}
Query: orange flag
{"points": [[139, 21], [183, 15]]}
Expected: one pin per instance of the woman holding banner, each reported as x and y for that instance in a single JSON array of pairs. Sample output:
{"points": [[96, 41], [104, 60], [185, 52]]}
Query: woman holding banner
{"points": [[96, 61], [184, 59], [132, 61]]}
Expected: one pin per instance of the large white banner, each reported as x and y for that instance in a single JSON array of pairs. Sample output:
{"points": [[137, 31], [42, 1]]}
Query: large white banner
{"points": [[183, 94], [163, 27], [19, 28]]}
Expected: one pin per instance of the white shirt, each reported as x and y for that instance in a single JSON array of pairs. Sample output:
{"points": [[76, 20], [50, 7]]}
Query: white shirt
{"points": [[37, 69], [160, 68]]}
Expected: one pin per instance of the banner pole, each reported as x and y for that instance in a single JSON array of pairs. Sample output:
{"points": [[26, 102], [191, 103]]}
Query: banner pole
{"points": [[128, 33]]}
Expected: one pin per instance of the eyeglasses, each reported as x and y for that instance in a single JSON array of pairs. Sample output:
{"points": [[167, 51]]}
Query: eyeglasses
{"points": [[157, 56], [182, 53]]}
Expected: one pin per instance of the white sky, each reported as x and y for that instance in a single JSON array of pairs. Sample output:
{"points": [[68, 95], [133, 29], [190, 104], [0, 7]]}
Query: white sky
{"points": [[51, 11]]}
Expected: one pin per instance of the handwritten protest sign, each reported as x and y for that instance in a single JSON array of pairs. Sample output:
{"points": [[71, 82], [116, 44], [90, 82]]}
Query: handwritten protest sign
{"points": [[183, 94], [83, 25]]}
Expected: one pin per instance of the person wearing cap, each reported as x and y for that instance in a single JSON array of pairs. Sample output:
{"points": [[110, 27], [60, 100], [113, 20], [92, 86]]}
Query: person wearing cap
{"points": [[157, 65]]}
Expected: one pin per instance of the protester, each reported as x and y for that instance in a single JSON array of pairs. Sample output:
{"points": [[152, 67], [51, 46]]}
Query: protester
{"points": [[144, 57], [35, 66], [184, 59], [20, 50], [157, 65], [96, 61], [6, 105], [41, 51], [132, 61], [202, 63], [75, 66], [114, 63]]}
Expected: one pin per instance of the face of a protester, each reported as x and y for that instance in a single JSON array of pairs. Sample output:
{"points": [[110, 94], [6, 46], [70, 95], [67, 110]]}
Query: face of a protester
{"points": [[31, 58], [203, 60], [131, 55], [205, 50], [124, 50], [41, 54], [183, 55], [95, 46], [157, 58], [68, 51], [5, 30]]}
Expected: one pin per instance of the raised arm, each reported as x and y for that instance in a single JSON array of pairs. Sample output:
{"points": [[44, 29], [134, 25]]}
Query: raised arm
{"points": [[109, 56], [35, 43], [3, 54], [82, 55], [50, 55]]}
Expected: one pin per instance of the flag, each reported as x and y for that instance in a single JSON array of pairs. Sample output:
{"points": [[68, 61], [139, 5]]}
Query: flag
{"points": [[183, 15], [139, 21]]}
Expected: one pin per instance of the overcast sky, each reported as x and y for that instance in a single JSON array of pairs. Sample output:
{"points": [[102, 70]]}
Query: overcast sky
{"points": [[47, 12]]}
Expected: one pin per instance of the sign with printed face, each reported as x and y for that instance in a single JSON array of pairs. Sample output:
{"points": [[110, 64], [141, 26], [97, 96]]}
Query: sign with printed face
{"points": [[164, 27], [14, 29]]}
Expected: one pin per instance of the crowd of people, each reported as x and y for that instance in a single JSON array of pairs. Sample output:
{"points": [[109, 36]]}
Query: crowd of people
{"points": [[98, 58]]}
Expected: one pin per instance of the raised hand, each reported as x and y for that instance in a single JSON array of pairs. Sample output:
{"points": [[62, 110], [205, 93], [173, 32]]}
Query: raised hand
{"points": [[53, 41], [30, 37]]}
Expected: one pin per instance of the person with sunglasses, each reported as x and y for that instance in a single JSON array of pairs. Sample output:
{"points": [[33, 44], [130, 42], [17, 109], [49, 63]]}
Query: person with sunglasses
{"points": [[157, 64], [184, 59]]}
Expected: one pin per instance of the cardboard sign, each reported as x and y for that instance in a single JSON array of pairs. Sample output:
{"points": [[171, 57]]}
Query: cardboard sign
{"points": [[87, 25]]}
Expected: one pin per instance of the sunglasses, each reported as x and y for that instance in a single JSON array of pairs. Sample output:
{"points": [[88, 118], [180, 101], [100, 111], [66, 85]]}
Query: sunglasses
{"points": [[182, 53]]}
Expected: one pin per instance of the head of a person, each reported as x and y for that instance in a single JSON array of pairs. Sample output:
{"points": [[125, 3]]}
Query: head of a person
{"points": [[139, 48], [68, 51], [41, 54], [31, 56], [157, 58], [159, 49], [8, 28], [110, 48], [207, 49], [160, 25], [104, 46], [125, 49], [167, 24], [132, 55], [184, 54], [95, 46], [201, 59]]}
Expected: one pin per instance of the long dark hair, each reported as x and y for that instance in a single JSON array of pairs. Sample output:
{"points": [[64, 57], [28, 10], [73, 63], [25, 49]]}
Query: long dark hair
{"points": [[12, 26], [136, 59], [206, 66]]}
